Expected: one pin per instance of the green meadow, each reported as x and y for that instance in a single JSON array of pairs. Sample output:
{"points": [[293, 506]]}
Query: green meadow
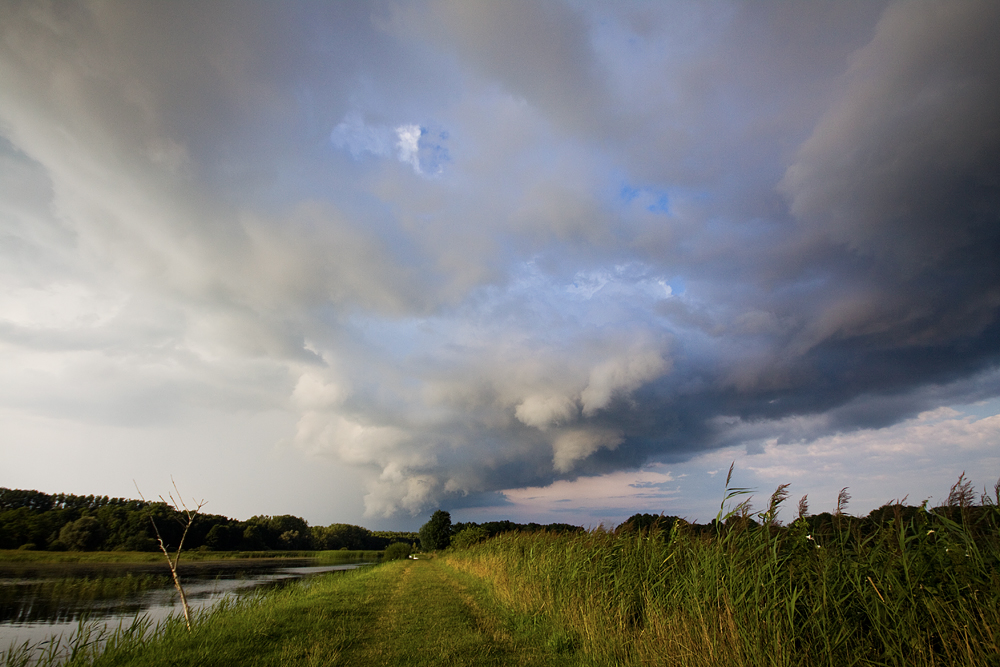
{"points": [[903, 586]]}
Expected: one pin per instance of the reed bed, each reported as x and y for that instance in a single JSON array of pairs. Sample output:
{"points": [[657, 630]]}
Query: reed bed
{"points": [[922, 589]]}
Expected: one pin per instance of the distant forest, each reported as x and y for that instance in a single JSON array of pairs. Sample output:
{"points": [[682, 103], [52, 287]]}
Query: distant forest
{"points": [[65, 522]]}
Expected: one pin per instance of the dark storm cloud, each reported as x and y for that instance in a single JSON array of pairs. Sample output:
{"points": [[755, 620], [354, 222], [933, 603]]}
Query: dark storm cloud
{"points": [[479, 246]]}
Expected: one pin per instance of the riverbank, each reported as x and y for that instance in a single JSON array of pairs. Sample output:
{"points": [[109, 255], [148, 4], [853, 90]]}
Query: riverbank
{"points": [[408, 612], [39, 600]]}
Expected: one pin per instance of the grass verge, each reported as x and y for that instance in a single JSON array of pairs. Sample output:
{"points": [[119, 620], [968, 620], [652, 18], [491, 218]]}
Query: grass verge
{"points": [[401, 613]]}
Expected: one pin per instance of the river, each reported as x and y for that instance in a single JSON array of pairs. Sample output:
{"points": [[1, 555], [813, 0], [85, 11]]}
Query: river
{"points": [[41, 600]]}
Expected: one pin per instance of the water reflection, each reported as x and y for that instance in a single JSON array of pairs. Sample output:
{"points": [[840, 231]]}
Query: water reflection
{"points": [[38, 601]]}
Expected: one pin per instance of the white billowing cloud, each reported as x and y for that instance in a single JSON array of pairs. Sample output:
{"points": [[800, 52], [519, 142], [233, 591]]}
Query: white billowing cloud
{"points": [[313, 391], [326, 427], [447, 399], [324, 432], [621, 375], [402, 490], [409, 145], [545, 411], [574, 445]]}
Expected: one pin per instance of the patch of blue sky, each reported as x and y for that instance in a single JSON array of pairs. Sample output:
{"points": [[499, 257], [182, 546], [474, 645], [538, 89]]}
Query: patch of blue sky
{"points": [[628, 194], [980, 409], [678, 286], [432, 151], [653, 200], [661, 205]]}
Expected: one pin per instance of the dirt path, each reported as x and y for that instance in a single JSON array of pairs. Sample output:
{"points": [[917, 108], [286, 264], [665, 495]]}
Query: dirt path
{"points": [[430, 619]]}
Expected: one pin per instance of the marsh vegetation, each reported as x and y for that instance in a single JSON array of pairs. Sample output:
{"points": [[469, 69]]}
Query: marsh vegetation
{"points": [[903, 586]]}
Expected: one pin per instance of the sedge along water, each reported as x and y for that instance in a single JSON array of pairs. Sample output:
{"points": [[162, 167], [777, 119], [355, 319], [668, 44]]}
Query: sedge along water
{"points": [[39, 601]]}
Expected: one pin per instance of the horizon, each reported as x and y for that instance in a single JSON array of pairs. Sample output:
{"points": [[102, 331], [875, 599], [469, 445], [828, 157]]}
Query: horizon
{"points": [[984, 497]]}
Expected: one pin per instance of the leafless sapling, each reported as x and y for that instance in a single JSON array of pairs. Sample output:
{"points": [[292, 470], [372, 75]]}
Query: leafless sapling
{"points": [[189, 514]]}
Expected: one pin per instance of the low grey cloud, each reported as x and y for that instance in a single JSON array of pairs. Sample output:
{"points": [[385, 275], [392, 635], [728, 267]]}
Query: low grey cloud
{"points": [[470, 247]]}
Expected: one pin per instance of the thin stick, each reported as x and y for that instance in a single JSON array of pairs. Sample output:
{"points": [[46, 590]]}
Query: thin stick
{"points": [[172, 562]]}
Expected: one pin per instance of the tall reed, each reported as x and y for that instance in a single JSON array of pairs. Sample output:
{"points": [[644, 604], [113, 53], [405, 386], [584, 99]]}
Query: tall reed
{"points": [[922, 589]]}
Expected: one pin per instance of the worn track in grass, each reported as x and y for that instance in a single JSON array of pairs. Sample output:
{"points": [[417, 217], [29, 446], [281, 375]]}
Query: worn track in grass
{"points": [[402, 613]]}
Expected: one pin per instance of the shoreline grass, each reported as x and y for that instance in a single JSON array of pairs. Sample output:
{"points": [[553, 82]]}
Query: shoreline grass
{"points": [[404, 612]]}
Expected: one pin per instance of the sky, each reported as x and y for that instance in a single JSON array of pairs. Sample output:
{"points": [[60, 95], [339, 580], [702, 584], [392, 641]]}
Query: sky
{"points": [[537, 260]]}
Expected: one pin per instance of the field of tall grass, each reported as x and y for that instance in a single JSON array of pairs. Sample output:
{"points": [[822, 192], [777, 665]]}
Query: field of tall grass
{"points": [[910, 586]]}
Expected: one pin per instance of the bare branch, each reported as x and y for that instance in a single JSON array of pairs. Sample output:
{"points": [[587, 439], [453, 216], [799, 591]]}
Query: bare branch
{"points": [[172, 562]]}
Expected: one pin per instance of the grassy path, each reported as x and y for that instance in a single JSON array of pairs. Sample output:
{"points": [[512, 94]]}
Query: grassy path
{"points": [[429, 618], [403, 613]]}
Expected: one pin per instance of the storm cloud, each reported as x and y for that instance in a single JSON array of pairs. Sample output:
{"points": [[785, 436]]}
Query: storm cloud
{"points": [[475, 247]]}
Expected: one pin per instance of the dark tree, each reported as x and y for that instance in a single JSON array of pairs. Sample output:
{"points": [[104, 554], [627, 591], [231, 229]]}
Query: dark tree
{"points": [[396, 551], [436, 533], [345, 536], [84, 534], [224, 537]]}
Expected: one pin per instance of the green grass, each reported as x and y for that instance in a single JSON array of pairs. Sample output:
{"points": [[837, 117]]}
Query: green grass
{"points": [[404, 612]]}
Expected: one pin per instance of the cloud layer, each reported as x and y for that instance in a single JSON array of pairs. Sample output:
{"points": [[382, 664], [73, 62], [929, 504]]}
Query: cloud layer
{"points": [[471, 247]]}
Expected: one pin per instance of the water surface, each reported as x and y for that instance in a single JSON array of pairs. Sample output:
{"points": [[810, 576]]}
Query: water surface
{"points": [[42, 600]]}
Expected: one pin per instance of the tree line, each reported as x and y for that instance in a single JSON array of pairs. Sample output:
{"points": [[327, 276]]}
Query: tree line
{"points": [[976, 513], [66, 522], [440, 533]]}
